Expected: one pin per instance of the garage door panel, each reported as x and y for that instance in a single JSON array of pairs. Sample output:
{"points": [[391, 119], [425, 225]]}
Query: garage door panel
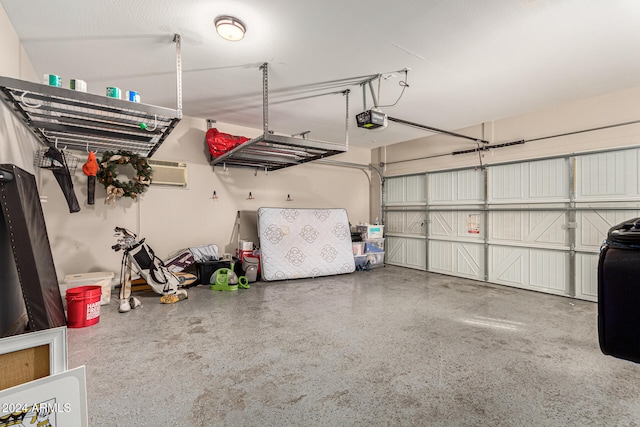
{"points": [[457, 259], [441, 256], [507, 226], [549, 270], [406, 252], [535, 269], [547, 228], [416, 253], [456, 186], [470, 225], [607, 175], [507, 265], [506, 182], [470, 260], [594, 225], [394, 222], [587, 276], [394, 190], [406, 222], [441, 187], [529, 181], [441, 223], [548, 179], [394, 250], [415, 223], [414, 191], [457, 225], [470, 185]]}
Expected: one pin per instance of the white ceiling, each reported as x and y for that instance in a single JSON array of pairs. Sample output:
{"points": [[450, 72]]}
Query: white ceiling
{"points": [[471, 61]]}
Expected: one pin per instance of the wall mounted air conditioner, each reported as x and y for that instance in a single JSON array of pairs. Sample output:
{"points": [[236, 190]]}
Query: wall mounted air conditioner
{"points": [[169, 173]]}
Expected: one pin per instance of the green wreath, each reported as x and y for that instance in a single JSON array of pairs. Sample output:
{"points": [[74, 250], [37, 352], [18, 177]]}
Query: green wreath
{"points": [[108, 173]]}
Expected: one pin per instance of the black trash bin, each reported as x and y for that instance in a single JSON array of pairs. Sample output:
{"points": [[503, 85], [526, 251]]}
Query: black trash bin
{"points": [[619, 292]]}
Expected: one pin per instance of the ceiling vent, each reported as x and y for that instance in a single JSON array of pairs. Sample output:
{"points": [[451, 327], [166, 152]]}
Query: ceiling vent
{"points": [[169, 173]]}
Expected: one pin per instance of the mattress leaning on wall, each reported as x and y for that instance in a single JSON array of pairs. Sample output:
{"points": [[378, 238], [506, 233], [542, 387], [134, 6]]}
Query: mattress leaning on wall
{"points": [[301, 243]]}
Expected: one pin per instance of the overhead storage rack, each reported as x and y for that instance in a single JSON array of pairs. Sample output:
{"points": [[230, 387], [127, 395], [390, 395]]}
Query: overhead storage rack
{"points": [[270, 151], [84, 121]]}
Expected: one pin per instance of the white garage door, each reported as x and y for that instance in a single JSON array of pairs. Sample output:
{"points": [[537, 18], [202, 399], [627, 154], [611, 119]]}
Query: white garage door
{"points": [[535, 225]]}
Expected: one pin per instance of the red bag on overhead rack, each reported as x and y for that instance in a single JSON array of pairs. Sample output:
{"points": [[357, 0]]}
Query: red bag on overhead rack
{"points": [[219, 143]]}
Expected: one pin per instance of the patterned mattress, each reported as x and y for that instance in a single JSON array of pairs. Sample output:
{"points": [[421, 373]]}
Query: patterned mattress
{"points": [[299, 243]]}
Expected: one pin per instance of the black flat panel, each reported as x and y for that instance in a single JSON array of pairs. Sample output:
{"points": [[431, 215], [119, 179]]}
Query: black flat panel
{"points": [[29, 242]]}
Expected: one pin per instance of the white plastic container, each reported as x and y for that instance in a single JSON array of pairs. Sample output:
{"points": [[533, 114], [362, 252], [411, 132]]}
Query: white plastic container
{"points": [[370, 260], [375, 259], [101, 278], [358, 248], [369, 231], [359, 260], [374, 245]]}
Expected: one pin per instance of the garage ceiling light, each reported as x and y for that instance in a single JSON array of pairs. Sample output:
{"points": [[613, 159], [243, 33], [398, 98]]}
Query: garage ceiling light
{"points": [[230, 28]]}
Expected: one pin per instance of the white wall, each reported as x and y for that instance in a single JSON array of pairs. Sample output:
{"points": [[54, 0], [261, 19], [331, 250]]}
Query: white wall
{"points": [[614, 108], [173, 218]]}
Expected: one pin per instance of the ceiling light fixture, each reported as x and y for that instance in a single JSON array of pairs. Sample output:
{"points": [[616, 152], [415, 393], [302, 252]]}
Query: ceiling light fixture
{"points": [[230, 28]]}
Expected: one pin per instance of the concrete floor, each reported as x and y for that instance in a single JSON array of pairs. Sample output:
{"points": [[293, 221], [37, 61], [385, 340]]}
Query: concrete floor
{"points": [[391, 346]]}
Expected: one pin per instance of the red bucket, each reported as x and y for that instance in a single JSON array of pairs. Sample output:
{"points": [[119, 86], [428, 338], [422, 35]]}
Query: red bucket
{"points": [[83, 306]]}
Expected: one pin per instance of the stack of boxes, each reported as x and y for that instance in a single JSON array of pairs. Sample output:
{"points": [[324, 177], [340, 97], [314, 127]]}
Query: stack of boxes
{"points": [[369, 253]]}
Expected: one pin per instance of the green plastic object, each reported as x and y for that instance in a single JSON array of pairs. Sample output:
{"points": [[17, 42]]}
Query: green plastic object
{"points": [[221, 280], [143, 126], [243, 282]]}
